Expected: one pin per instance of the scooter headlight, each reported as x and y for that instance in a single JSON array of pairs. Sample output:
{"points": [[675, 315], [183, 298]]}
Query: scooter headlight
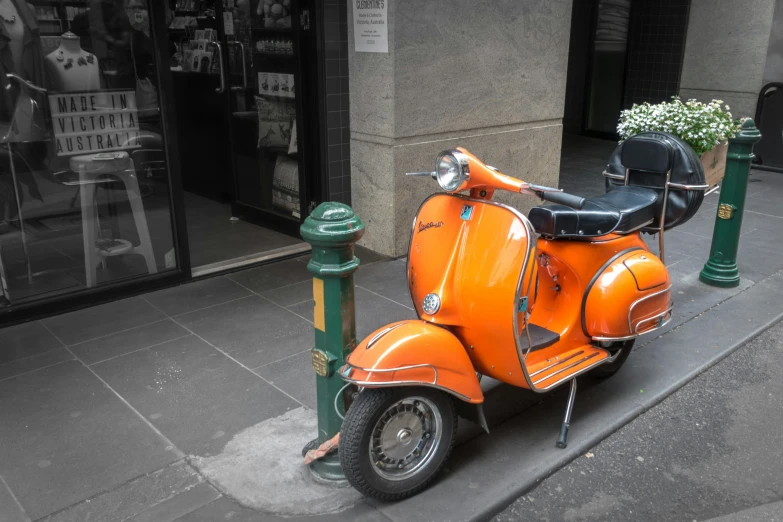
{"points": [[451, 170], [431, 304]]}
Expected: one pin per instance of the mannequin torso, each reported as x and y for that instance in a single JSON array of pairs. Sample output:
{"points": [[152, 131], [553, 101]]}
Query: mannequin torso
{"points": [[71, 68], [10, 19]]}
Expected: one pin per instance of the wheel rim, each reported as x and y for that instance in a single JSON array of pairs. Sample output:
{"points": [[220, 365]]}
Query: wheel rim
{"points": [[405, 438]]}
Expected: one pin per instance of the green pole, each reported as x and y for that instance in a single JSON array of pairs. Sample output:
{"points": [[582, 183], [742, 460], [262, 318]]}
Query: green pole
{"points": [[332, 229], [721, 268]]}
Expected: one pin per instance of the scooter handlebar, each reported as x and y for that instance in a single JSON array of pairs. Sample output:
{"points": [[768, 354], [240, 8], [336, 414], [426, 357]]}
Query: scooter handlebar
{"points": [[563, 198]]}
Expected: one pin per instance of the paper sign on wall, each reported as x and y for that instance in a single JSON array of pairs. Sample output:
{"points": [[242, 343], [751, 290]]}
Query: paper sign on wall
{"points": [[370, 26], [86, 122], [228, 23]]}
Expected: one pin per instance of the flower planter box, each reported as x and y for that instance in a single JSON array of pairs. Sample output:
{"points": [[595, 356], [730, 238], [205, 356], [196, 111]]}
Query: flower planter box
{"points": [[714, 162]]}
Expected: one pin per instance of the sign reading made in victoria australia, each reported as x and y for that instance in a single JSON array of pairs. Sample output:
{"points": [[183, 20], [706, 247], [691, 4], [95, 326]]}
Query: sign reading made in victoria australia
{"points": [[87, 122]]}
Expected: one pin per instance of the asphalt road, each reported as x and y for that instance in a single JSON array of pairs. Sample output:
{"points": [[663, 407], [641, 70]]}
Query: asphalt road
{"points": [[713, 448]]}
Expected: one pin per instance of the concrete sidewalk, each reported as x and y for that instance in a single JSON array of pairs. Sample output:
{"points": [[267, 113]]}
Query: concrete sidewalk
{"points": [[105, 409]]}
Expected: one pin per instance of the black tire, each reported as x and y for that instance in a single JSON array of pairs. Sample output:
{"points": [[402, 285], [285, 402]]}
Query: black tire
{"points": [[606, 370], [360, 424]]}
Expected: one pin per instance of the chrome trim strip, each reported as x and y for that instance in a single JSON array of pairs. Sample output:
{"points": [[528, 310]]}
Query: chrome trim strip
{"points": [[561, 370], [370, 384], [629, 337], [387, 384], [380, 334], [561, 361], [614, 339], [688, 187], [716, 188], [680, 186], [630, 310], [397, 369], [657, 316], [613, 176]]}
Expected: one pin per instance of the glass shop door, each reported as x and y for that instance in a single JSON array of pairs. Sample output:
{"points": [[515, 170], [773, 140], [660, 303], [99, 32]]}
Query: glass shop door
{"points": [[266, 45]]}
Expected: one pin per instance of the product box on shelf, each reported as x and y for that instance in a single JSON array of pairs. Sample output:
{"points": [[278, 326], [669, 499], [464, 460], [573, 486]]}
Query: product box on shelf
{"points": [[263, 83], [275, 119]]}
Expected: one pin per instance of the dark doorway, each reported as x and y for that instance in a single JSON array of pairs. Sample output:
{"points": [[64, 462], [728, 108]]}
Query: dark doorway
{"points": [[243, 93], [621, 52]]}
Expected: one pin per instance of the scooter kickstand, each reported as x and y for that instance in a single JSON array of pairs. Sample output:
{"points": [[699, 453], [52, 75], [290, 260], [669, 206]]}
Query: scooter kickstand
{"points": [[561, 441]]}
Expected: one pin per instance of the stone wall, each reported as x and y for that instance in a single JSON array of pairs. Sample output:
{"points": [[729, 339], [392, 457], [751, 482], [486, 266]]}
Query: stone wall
{"points": [[773, 71], [725, 52], [488, 76]]}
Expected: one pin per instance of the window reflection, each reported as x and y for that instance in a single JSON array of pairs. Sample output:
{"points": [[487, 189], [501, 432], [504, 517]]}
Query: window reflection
{"points": [[83, 181]]}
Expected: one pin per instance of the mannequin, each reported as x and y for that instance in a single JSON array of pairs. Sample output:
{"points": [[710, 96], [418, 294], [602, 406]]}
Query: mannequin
{"points": [[9, 17], [71, 68], [20, 51]]}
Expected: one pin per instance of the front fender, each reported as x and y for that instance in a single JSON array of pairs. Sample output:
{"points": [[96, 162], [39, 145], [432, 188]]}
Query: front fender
{"points": [[414, 353]]}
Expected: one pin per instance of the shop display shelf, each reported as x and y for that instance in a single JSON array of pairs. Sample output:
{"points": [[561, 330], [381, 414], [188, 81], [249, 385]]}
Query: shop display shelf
{"points": [[270, 30], [274, 57]]}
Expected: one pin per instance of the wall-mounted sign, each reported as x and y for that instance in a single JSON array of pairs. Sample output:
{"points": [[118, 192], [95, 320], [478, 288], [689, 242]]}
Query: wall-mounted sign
{"points": [[370, 26], [87, 122]]}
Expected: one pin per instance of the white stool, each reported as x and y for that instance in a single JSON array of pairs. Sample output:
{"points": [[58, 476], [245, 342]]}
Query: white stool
{"points": [[119, 165]]}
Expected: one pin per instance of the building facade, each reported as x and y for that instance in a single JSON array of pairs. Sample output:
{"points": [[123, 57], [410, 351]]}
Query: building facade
{"points": [[148, 143]]}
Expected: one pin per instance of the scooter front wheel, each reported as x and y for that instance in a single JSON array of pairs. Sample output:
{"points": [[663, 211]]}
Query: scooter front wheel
{"points": [[394, 441]]}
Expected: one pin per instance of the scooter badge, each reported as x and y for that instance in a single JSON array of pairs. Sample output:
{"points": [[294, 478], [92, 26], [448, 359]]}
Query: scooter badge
{"points": [[467, 212]]}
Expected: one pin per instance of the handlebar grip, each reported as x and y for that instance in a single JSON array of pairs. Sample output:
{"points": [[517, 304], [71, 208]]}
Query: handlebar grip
{"points": [[564, 198]]}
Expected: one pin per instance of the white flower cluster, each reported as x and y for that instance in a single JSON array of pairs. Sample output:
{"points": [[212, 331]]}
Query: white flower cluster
{"points": [[700, 125]]}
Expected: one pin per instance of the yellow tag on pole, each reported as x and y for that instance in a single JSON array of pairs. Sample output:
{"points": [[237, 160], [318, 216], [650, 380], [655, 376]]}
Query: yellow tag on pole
{"points": [[725, 211], [319, 319]]}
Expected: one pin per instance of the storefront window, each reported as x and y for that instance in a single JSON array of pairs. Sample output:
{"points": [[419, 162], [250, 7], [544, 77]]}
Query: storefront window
{"points": [[84, 191]]}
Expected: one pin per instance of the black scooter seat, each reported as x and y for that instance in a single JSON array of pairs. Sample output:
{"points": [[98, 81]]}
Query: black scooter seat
{"points": [[620, 211]]}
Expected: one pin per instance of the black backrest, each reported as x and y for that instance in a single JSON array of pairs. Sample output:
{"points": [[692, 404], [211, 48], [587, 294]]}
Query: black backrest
{"points": [[647, 157], [647, 154]]}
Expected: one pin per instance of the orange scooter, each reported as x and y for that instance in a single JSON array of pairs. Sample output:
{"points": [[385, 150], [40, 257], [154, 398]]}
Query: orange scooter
{"points": [[530, 301]]}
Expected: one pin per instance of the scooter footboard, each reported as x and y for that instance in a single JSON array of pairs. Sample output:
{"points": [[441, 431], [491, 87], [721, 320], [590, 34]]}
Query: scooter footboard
{"points": [[414, 353]]}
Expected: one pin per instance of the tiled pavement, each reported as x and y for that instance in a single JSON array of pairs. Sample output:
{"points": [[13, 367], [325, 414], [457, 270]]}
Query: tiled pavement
{"points": [[102, 406]]}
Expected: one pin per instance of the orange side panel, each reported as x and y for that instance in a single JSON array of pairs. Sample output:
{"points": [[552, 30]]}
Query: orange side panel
{"points": [[615, 304], [647, 274]]}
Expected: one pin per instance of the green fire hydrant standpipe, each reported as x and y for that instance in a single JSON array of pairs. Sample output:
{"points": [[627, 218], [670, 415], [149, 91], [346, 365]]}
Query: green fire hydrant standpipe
{"points": [[721, 269], [332, 229]]}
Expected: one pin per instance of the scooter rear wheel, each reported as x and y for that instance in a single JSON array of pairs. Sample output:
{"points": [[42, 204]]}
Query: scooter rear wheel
{"points": [[620, 351], [394, 441]]}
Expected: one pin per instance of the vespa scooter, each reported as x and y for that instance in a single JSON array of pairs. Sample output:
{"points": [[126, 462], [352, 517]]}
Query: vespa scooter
{"points": [[532, 301]]}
